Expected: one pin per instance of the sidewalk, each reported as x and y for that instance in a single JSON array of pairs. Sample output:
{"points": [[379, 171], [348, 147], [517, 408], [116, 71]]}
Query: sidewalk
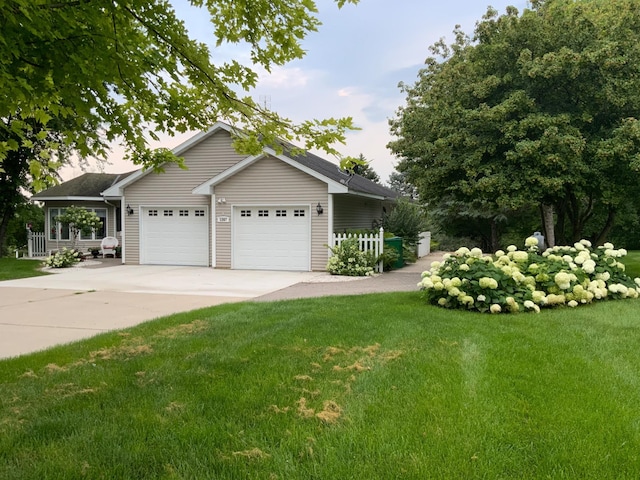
{"points": [[402, 280]]}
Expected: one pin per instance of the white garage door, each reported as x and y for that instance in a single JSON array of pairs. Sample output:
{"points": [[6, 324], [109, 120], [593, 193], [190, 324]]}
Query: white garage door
{"points": [[271, 238], [174, 236]]}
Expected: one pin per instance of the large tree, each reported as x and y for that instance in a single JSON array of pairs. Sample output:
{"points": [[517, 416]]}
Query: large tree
{"points": [[103, 71], [539, 108], [397, 181], [18, 170]]}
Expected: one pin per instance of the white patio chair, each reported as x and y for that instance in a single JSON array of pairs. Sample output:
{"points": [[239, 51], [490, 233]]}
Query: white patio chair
{"points": [[108, 246]]}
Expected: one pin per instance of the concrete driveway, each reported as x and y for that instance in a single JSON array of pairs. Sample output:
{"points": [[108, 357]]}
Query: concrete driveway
{"points": [[76, 303]]}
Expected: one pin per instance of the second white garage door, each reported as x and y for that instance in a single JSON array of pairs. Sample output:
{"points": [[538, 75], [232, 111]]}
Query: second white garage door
{"points": [[271, 238], [174, 236]]}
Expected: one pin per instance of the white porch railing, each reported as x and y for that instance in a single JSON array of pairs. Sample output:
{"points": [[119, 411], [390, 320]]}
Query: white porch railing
{"points": [[373, 242], [36, 245]]}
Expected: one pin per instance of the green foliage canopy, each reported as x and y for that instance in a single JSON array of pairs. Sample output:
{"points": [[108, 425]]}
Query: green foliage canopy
{"points": [[361, 166], [539, 108], [15, 180], [105, 71], [405, 220]]}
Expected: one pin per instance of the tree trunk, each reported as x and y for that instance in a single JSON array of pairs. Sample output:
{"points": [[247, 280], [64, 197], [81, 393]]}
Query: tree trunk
{"points": [[561, 216], [547, 223], [4, 223], [604, 233], [495, 235]]}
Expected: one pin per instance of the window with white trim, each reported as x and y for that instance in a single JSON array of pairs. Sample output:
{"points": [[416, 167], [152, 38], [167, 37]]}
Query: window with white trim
{"points": [[168, 213], [263, 213], [184, 213], [153, 213], [61, 231], [98, 233], [58, 231], [245, 213], [281, 213], [199, 213], [298, 213]]}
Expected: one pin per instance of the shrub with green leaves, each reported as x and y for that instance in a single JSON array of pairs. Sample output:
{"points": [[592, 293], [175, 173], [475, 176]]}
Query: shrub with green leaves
{"points": [[406, 220], [63, 258], [389, 257], [347, 259], [527, 280]]}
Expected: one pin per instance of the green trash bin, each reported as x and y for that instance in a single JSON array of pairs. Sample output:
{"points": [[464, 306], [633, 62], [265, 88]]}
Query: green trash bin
{"points": [[395, 243]]}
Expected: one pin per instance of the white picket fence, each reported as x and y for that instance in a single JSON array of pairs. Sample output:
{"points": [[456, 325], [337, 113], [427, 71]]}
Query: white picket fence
{"points": [[36, 245], [373, 242]]}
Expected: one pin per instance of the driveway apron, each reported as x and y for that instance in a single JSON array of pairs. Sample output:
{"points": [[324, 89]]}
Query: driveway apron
{"points": [[77, 303]]}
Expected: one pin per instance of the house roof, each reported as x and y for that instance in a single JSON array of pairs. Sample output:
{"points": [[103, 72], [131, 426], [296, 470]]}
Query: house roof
{"points": [[88, 186], [337, 180], [97, 186], [355, 183]]}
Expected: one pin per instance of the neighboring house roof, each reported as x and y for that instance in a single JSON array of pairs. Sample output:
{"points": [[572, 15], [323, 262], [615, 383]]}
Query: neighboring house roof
{"points": [[338, 180], [88, 186]]}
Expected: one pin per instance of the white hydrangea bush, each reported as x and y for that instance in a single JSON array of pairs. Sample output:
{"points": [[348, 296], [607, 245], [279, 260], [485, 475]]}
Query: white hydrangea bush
{"points": [[63, 258], [347, 259], [526, 280]]}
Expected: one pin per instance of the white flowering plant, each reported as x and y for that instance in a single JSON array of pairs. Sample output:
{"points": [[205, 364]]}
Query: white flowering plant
{"points": [[526, 280], [63, 258], [347, 259]]}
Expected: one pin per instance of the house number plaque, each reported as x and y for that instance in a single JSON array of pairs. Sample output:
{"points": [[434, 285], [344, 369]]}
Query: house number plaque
{"points": [[223, 219]]}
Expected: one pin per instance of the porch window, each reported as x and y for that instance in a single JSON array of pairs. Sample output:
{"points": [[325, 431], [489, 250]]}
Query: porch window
{"points": [[57, 230], [60, 231], [99, 233]]}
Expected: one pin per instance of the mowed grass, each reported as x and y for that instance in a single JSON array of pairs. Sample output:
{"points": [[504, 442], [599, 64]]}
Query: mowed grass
{"points": [[12, 268], [632, 264], [360, 387]]}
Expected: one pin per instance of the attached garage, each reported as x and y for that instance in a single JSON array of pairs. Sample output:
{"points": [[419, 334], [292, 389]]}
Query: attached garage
{"points": [[271, 238], [174, 236]]}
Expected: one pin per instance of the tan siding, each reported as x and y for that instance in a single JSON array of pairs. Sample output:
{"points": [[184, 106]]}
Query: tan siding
{"points": [[351, 212], [270, 181], [173, 187]]}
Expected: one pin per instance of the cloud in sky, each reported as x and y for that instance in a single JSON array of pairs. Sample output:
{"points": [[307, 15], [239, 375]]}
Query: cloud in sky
{"points": [[353, 65]]}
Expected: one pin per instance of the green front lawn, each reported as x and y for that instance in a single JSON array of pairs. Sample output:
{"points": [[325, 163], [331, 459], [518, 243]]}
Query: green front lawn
{"points": [[12, 268], [632, 263], [363, 387]]}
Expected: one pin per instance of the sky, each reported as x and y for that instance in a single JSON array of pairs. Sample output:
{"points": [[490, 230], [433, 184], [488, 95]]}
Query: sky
{"points": [[353, 66]]}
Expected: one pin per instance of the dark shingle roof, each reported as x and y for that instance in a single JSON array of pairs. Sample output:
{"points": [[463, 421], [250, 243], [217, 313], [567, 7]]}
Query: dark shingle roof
{"points": [[355, 183], [86, 185]]}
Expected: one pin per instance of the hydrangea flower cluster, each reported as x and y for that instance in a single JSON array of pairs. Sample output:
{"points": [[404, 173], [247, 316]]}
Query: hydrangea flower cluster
{"points": [[348, 259], [63, 259], [525, 280]]}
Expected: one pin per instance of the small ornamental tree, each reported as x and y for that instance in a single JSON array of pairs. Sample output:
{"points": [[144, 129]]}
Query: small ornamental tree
{"points": [[80, 221]]}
